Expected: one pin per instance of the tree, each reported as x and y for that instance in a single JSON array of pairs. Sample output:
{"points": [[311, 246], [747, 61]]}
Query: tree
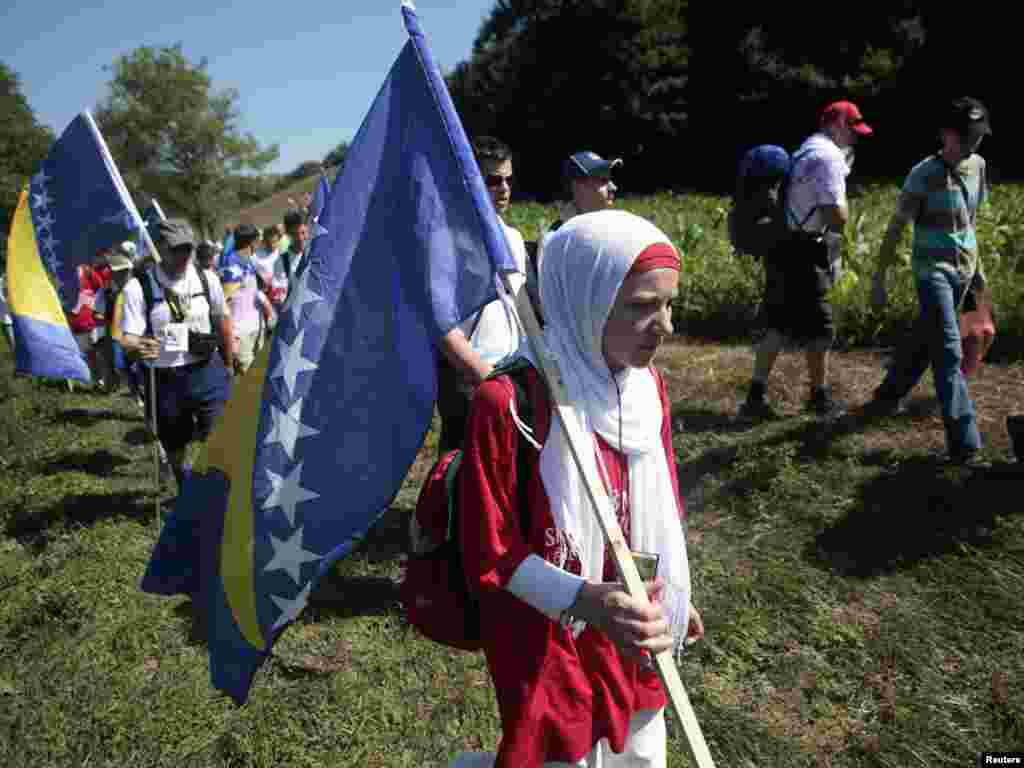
{"points": [[336, 157], [176, 138], [24, 144], [559, 76]]}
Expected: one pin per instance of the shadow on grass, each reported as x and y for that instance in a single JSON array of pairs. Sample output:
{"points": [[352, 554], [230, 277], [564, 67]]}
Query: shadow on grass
{"points": [[138, 436], [349, 596], [82, 417], [921, 510], [99, 463], [83, 509]]}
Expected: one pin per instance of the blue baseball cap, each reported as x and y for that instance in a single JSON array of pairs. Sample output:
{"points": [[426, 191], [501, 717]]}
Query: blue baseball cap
{"points": [[588, 164]]}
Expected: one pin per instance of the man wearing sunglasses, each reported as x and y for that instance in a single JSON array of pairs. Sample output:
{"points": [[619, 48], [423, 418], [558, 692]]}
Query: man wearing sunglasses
{"points": [[470, 350], [796, 305]]}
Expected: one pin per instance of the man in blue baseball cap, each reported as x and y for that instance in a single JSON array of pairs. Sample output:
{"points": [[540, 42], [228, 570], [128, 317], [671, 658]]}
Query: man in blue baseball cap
{"points": [[587, 179]]}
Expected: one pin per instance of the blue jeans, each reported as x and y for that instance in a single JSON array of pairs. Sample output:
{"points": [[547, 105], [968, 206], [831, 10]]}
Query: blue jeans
{"points": [[935, 340]]}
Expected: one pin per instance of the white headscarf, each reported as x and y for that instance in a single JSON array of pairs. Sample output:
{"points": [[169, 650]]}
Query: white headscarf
{"points": [[584, 265]]}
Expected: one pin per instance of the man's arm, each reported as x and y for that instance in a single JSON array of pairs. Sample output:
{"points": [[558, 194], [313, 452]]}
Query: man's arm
{"points": [[224, 329], [907, 208], [834, 217], [463, 357]]}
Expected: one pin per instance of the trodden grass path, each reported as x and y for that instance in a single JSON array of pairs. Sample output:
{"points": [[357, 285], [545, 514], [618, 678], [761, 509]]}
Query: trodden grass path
{"points": [[863, 603]]}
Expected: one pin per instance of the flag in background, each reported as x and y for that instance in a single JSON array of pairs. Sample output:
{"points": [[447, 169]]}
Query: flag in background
{"points": [[320, 433], [316, 206], [75, 200]]}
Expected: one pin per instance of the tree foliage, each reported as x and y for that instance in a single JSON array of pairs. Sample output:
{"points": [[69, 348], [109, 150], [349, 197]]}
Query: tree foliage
{"points": [[24, 144], [336, 157], [680, 89], [606, 75], [175, 137]]}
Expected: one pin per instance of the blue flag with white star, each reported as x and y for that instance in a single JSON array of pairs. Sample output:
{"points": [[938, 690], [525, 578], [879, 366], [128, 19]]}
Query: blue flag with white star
{"points": [[76, 203], [320, 433]]}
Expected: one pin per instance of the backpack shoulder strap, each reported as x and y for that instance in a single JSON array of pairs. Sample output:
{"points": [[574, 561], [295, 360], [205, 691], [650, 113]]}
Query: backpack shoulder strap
{"points": [[147, 281], [784, 190], [516, 371], [206, 288]]}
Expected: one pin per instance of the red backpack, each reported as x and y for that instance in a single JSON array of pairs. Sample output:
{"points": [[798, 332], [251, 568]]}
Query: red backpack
{"points": [[437, 601]]}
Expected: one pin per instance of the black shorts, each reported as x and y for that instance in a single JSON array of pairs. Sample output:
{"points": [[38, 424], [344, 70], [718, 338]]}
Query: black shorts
{"points": [[189, 400], [796, 302]]}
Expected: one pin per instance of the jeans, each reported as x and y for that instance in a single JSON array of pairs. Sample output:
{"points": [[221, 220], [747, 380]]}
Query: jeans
{"points": [[935, 340]]}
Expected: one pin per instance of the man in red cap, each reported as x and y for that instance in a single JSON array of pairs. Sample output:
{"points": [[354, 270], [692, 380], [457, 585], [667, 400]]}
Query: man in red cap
{"points": [[796, 306]]}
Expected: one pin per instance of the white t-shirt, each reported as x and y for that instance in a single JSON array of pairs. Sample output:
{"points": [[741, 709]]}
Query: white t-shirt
{"points": [[197, 316], [497, 332], [818, 178]]}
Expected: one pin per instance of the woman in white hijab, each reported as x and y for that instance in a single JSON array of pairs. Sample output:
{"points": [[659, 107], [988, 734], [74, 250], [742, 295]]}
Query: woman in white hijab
{"points": [[567, 648]]}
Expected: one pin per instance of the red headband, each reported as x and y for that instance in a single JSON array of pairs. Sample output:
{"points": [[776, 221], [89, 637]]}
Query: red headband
{"points": [[657, 256]]}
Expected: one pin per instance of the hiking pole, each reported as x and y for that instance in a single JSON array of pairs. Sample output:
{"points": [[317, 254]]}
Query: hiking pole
{"points": [[616, 542], [156, 445]]}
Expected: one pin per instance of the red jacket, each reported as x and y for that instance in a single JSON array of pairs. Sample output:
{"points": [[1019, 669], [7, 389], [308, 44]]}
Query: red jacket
{"points": [[557, 696], [90, 283]]}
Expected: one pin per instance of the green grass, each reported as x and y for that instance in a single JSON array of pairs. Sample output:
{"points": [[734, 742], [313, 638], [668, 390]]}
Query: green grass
{"points": [[858, 611], [863, 603]]}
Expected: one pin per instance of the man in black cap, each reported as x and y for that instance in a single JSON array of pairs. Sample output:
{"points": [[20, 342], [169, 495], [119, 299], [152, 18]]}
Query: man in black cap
{"points": [[941, 196], [175, 318]]}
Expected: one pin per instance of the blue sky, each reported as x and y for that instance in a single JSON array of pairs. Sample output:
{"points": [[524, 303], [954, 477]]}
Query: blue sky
{"points": [[306, 71]]}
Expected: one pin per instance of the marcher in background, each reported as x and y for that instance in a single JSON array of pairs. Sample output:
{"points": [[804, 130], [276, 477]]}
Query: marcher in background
{"points": [[252, 315], [587, 181], [6, 320], [206, 255], [940, 197], [176, 319], [566, 646], [295, 245], [470, 350], [796, 307], [92, 278], [109, 309]]}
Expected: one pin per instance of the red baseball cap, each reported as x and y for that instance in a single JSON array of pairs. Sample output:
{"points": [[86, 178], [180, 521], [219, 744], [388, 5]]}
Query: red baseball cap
{"points": [[852, 114]]}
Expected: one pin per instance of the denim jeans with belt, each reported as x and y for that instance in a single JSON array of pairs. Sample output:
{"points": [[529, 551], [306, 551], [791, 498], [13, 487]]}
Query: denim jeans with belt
{"points": [[935, 340]]}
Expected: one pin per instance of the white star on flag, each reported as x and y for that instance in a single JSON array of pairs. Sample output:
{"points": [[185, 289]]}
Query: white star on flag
{"points": [[287, 427], [41, 178], [290, 609], [49, 243], [292, 363], [300, 297], [287, 493], [43, 200], [289, 556], [45, 221]]}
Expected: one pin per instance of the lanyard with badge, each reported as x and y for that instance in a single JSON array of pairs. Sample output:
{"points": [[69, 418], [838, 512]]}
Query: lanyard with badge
{"points": [[174, 337]]}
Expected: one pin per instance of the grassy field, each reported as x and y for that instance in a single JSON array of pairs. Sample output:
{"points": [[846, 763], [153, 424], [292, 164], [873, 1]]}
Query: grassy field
{"points": [[863, 602]]}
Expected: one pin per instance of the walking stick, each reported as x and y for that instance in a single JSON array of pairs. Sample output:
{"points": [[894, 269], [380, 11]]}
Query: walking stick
{"points": [[156, 445], [664, 662]]}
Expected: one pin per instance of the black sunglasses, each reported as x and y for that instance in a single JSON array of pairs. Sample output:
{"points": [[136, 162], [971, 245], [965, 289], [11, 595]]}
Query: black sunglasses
{"points": [[496, 179]]}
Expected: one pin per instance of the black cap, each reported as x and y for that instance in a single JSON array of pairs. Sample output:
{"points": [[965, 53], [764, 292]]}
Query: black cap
{"points": [[968, 117], [246, 234]]}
